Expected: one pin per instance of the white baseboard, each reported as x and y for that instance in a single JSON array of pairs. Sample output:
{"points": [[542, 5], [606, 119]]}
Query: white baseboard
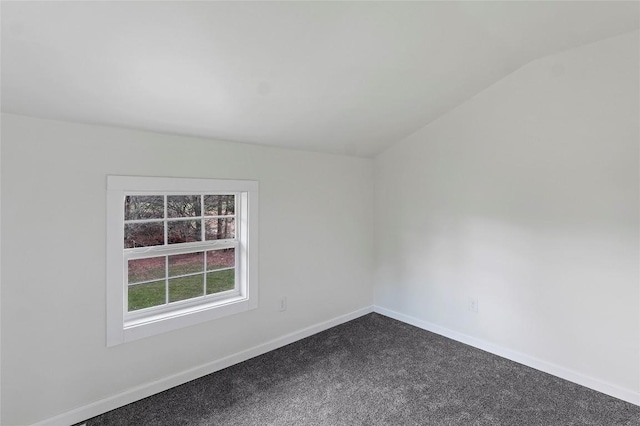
{"points": [[148, 389], [547, 367]]}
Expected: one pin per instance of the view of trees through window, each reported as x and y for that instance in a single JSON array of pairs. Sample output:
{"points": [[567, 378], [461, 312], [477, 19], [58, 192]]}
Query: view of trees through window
{"points": [[185, 220], [162, 220]]}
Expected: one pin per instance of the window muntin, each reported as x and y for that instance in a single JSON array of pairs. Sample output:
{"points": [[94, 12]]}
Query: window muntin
{"points": [[180, 252]]}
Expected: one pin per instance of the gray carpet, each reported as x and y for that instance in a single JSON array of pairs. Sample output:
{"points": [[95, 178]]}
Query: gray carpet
{"points": [[376, 371]]}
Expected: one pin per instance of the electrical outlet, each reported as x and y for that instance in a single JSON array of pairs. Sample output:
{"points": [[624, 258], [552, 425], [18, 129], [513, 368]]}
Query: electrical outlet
{"points": [[473, 304], [282, 306]]}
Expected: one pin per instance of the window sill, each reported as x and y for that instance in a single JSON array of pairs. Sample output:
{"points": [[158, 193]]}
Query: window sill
{"points": [[176, 319]]}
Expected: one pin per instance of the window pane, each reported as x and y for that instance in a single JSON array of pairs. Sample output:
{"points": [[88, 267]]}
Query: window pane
{"points": [[220, 281], [219, 229], [148, 269], [217, 259], [143, 207], [183, 205], [188, 263], [146, 295], [186, 287], [219, 205], [143, 234], [183, 231]]}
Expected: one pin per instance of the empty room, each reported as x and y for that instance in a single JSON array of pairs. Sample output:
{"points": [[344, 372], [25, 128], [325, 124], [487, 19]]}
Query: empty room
{"points": [[320, 213]]}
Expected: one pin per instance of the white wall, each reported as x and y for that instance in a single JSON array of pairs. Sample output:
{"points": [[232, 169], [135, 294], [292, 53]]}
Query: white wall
{"points": [[526, 198], [316, 247]]}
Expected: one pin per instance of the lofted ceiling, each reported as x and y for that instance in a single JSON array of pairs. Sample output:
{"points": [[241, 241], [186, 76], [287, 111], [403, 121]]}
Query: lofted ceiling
{"points": [[339, 77]]}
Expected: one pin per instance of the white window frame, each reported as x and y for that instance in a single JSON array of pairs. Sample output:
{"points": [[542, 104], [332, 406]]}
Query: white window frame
{"points": [[124, 326]]}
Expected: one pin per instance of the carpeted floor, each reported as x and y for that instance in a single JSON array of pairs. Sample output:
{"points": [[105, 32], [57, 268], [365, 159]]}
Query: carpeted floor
{"points": [[376, 371]]}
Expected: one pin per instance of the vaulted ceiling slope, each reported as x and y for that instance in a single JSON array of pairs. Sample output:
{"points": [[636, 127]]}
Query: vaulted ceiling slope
{"points": [[341, 77]]}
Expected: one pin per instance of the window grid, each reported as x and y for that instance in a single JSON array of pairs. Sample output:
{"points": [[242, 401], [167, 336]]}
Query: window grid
{"points": [[201, 218], [203, 245]]}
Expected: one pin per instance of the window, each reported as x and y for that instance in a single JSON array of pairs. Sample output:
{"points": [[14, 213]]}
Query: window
{"points": [[179, 252]]}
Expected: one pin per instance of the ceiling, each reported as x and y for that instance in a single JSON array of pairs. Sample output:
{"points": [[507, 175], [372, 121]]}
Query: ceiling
{"points": [[340, 77]]}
